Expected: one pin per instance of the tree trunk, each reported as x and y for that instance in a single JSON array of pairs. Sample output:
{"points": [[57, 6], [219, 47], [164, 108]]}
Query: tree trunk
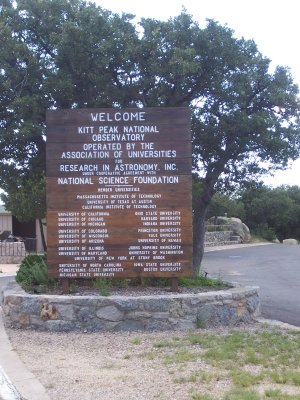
{"points": [[199, 225], [42, 235], [198, 238]]}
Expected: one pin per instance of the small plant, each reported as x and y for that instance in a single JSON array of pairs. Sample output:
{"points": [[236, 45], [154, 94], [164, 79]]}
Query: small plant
{"points": [[73, 288], [163, 343], [245, 379], [50, 386], [201, 396], [200, 324], [136, 340], [149, 355], [242, 394], [194, 377], [103, 285], [181, 356]]}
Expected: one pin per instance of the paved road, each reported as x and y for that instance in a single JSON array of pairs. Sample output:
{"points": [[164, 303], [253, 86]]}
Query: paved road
{"points": [[4, 280], [275, 268]]}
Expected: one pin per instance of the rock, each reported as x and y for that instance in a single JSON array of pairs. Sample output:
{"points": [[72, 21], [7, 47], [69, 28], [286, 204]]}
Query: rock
{"points": [[110, 313], [237, 227], [48, 312], [290, 241]]}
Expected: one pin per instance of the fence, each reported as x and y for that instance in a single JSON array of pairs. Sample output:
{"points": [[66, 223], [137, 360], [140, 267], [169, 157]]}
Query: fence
{"points": [[220, 235], [217, 228], [12, 252]]}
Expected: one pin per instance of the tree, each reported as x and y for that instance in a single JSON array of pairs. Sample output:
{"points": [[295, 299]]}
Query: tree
{"points": [[246, 125], [222, 204], [26, 201], [54, 54], [274, 211], [68, 54], [244, 118]]}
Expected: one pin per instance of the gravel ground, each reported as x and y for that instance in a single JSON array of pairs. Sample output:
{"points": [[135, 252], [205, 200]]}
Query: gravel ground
{"points": [[133, 291], [111, 366]]}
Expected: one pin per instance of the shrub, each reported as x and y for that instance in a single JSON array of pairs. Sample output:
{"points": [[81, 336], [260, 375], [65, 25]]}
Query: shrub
{"points": [[200, 281], [103, 285], [265, 232], [33, 272]]}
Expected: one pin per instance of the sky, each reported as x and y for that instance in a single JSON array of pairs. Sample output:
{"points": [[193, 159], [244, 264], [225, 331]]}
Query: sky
{"points": [[274, 26]]}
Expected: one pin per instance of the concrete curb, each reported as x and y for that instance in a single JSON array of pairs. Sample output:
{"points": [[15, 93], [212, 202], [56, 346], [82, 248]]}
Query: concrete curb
{"points": [[279, 324], [25, 385], [7, 389], [208, 249]]}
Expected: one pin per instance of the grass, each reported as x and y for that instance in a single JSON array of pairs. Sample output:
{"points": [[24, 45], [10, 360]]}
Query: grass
{"points": [[267, 349], [164, 343], [279, 395], [148, 355], [242, 394], [262, 364], [136, 340], [180, 356], [247, 361], [245, 379], [200, 396], [203, 377]]}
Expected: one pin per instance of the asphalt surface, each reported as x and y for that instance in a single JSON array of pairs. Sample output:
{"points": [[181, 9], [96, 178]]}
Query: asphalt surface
{"points": [[4, 280], [275, 268]]}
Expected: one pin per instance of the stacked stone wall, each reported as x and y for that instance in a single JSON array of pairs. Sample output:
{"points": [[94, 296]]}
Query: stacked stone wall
{"points": [[120, 313], [220, 238]]}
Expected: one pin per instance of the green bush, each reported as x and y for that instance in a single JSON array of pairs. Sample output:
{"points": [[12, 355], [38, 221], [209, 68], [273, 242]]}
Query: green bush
{"points": [[200, 281], [265, 232], [33, 272]]}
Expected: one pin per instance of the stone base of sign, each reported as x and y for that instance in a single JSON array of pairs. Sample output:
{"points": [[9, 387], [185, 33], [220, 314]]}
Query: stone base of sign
{"points": [[65, 313]]}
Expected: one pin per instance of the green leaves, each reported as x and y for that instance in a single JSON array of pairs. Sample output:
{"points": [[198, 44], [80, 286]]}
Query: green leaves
{"points": [[26, 198], [276, 210], [71, 54]]}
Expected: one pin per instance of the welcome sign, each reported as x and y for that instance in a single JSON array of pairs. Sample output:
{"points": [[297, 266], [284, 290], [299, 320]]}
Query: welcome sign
{"points": [[119, 193]]}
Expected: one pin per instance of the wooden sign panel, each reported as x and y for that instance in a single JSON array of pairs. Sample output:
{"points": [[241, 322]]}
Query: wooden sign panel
{"points": [[119, 193]]}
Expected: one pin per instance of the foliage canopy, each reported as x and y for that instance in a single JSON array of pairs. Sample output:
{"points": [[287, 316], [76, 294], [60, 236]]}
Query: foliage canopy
{"points": [[69, 54], [274, 210]]}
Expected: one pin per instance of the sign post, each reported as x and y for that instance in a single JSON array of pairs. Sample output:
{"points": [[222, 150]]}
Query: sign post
{"points": [[119, 193]]}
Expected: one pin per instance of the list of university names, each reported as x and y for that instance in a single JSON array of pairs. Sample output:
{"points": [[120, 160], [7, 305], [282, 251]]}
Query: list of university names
{"points": [[119, 193]]}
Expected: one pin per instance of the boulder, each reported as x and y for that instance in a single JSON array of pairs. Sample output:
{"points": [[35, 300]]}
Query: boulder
{"points": [[290, 241], [235, 225]]}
